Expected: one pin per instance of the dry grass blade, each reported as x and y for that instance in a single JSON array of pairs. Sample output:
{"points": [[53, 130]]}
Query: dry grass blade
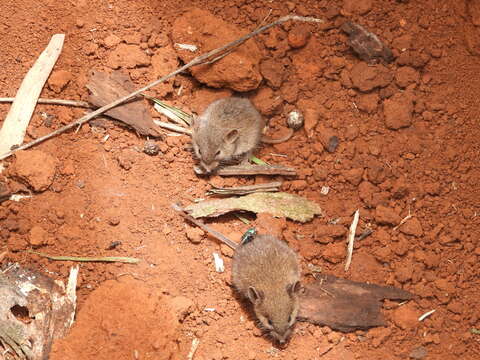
{"points": [[173, 113], [256, 170], [196, 61], [173, 127], [122, 259]]}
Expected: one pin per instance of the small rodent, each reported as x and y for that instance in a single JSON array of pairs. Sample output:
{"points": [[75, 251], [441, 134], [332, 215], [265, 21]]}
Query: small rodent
{"points": [[228, 130], [265, 271]]}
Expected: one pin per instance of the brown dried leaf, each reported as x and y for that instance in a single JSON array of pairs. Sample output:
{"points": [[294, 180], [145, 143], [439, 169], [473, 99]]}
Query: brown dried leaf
{"points": [[106, 88]]}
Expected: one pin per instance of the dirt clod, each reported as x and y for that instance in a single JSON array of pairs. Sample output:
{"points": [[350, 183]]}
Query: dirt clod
{"points": [[385, 215], [58, 80], [194, 234], [398, 111], [239, 71], [34, 168], [37, 236], [367, 78]]}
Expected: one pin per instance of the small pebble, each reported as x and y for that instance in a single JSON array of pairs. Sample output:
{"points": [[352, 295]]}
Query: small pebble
{"points": [[332, 144], [295, 120], [418, 353], [114, 221], [150, 148], [113, 245]]}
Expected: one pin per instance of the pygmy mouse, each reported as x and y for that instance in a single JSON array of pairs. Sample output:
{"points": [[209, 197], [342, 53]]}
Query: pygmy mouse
{"points": [[228, 130], [265, 270]]}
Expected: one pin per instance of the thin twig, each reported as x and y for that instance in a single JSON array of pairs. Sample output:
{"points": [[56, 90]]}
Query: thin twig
{"points": [[193, 349], [404, 220], [122, 259], [256, 170], [76, 103], [244, 190], [204, 227], [351, 239], [364, 234], [195, 61]]}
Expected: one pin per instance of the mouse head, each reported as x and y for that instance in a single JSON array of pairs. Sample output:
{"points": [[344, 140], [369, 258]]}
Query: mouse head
{"points": [[213, 146], [277, 312]]}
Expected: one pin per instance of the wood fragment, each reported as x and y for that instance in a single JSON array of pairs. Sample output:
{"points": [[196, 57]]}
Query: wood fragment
{"points": [[193, 349], [351, 239], [346, 305], [364, 234], [196, 61], [256, 170], [76, 103], [244, 190], [15, 124], [366, 44], [121, 259]]}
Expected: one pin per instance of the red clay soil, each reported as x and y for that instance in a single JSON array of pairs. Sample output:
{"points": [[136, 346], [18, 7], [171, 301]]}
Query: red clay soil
{"points": [[408, 144]]}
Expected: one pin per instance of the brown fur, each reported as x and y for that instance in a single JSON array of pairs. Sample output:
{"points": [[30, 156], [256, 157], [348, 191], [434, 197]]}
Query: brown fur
{"points": [[266, 272], [227, 130]]}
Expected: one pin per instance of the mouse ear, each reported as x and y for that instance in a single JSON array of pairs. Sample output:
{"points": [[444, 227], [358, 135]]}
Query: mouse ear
{"points": [[254, 295], [294, 288], [231, 136]]}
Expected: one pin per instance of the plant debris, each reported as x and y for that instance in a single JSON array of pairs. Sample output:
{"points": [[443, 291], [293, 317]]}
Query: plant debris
{"points": [[122, 259], [366, 44], [34, 311], [244, 170], [244, 190], [346, 305], [105, 88], [278, 204]]}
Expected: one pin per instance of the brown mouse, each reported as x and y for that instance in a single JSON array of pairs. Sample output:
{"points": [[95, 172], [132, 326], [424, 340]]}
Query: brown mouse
{"points": [[228, 130], [265, 271]]}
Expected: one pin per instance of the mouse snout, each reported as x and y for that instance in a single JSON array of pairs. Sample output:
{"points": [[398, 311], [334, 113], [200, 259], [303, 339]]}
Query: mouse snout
{"points": [[209, 167], [281, 337]]}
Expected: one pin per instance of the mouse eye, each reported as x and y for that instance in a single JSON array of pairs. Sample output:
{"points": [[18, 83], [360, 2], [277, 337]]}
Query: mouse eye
{"points": [[290, 319], [218, 153], [270, 323]]}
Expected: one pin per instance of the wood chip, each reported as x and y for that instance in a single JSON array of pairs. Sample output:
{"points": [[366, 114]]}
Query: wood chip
{"points": [[346, 305], [18, 118]]}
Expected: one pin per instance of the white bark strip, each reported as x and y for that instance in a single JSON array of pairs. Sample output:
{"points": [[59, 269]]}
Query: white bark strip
{"points": [[18, 118], [351, 239]]}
